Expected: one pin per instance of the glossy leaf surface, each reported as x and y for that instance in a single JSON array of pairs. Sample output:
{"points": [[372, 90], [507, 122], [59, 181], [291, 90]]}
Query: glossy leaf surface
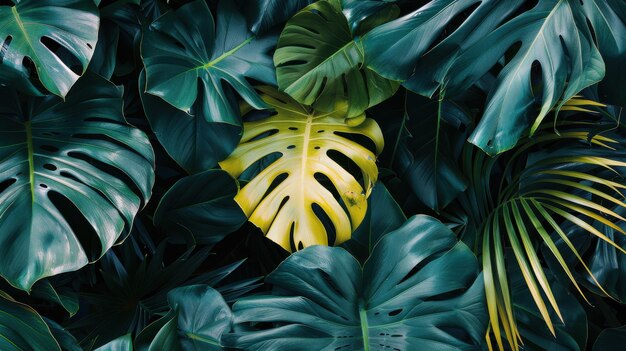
{"points": [[21, 328], [318, 62], [187, 56], [63, 160], [198, 317], [33, 28], [264, 14], [194, 140], [553, 34], [420, 289], [304, 139]]}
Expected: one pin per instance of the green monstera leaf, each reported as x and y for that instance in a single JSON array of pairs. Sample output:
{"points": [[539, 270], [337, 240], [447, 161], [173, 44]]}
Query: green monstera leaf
{"points": [[553, 34], [318, 62], [419, 290], [34, 29], [22, 328], [67, 170], [188, 58], [197, 319], [403, 48]]}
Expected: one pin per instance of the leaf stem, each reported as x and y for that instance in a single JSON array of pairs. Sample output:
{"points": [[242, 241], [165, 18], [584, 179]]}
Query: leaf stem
{"points": [[364, 325]]}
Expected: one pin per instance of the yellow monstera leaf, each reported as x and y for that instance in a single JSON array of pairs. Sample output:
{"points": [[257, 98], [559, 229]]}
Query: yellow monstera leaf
{"points": [[303, 138]]}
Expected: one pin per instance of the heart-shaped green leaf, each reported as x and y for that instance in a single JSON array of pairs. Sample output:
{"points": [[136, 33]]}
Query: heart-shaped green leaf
{"points": [[419, 290], [198, 317], [187, 57], [193, 139], [201, 208]]}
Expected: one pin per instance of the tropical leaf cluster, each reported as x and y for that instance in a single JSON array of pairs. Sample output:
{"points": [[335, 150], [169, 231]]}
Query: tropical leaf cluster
{"points": [[295, 175]]}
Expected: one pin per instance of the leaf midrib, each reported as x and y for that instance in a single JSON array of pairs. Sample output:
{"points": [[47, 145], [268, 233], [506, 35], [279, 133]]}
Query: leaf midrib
{"points": [[305, 155], [20, 24], [193, 336], [31, 159], [342, 49], [226, 54]]}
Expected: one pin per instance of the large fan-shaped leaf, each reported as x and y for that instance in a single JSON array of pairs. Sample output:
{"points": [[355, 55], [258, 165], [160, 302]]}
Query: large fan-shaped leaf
{"points": [[22, 328], [304, 139], [553, 34], [572, 177], [67, 169], [419, 290], [33, 29], [318, 62], [187, 58]]}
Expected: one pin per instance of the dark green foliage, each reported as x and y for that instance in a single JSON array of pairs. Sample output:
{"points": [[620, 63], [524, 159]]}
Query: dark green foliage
{"points": [[504, 146]]}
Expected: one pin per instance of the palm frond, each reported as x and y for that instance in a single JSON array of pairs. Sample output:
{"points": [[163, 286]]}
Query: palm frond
{"points": [[572, 176]]}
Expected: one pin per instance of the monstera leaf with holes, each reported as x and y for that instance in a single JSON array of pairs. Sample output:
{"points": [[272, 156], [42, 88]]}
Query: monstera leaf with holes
{"points": [[68, 170], [553, 34], [407, 49], [35, 30], [419, 290], [190, 59], [282, 198], [318, 62]]}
